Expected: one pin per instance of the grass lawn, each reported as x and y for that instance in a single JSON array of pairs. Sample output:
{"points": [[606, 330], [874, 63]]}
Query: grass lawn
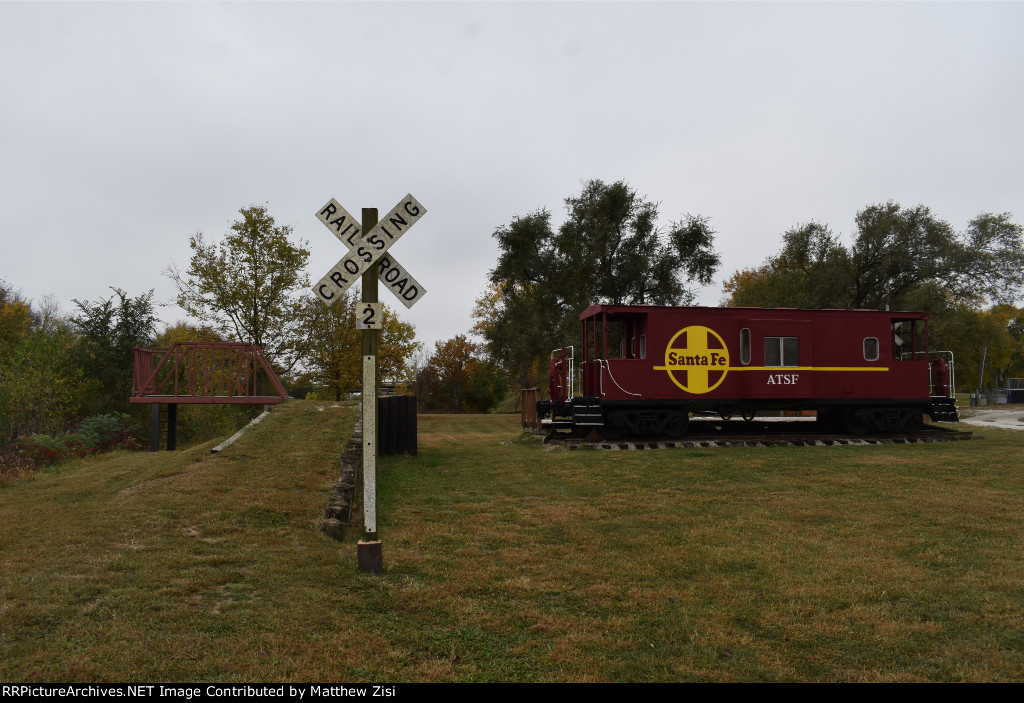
{"points": [[510, 560]]}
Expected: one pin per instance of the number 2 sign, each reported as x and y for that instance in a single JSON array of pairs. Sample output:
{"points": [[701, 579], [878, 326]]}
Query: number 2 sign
{"points": [[369, 316]]}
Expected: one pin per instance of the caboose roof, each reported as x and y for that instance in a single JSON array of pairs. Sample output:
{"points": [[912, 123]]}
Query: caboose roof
{"points": [[745, 311]]}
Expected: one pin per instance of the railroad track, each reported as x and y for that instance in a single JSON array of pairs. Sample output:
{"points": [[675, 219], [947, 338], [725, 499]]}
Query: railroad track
{"points": [[709, 433]]}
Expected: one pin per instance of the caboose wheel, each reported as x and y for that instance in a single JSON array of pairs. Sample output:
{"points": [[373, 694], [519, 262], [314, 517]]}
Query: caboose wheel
{"points": [[615, 426], [829, 421], [748, 415], [914, 421], [854, 423], [677, 425]]}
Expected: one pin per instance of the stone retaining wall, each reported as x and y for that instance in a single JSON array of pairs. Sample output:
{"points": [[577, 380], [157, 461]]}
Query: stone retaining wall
{"points": [[338, 515]]}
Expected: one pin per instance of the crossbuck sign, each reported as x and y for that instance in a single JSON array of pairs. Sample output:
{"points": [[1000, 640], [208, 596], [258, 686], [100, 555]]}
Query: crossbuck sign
{"points": [[364, 252]]}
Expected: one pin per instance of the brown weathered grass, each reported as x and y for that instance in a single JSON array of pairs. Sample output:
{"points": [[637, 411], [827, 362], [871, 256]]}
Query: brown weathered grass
{"points": [[509, 560]]}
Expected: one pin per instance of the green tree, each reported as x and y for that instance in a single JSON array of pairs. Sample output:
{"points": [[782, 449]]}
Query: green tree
{"points": [[108, 330], [996, 257], [247, 285], [810, 271], [899, 249], [41, 384], [486, 387], [898, 255], [969, 333], [610, 249], [515, 330]]}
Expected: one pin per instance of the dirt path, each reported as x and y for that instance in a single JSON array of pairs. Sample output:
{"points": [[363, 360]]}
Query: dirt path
{"points": [[1008, 417]]}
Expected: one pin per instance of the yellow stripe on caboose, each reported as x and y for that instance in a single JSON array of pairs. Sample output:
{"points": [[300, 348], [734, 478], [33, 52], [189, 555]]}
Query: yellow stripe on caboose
{"points": [[808, 368], [678, 367]]}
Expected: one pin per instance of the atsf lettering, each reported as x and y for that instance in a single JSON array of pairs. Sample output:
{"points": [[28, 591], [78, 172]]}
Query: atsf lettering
{"points": [[783, 379]]}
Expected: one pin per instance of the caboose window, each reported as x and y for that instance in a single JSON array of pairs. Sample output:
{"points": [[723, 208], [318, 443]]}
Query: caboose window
{"points": [[745, 346], [870, 349], [781, 351], [643, 346]]}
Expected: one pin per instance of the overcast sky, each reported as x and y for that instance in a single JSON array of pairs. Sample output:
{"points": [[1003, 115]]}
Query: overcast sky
{"points": [[127, 127]]}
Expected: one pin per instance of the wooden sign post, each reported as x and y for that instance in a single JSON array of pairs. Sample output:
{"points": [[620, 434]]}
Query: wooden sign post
{"points": [[367, 258]]}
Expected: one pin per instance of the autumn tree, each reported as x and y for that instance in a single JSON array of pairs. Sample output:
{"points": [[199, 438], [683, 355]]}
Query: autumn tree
{"points": [[610, 249], [186, 332], [15, 317], [41, 385], [247, 286], [396, 347], [1015, 328], [449, 369], [333, 349]]}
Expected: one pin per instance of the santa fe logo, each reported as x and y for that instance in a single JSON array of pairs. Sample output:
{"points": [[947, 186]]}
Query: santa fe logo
{"points": [[696, 359], [365, 251]]}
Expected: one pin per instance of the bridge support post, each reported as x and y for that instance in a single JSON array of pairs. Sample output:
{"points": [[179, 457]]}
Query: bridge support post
{"points": [[172, 426], [154, 428]]}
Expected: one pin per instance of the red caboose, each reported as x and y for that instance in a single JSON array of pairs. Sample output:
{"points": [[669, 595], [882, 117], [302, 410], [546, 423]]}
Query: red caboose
{"points": [[645, 369]]}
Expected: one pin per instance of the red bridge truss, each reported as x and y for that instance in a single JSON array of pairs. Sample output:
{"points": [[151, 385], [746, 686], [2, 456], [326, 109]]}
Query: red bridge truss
{"points": [[205, 372]]}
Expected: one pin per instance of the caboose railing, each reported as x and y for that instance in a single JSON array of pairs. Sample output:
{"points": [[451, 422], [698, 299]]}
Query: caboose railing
{"points": [[570, 373], [951, 365], [205, 372]]}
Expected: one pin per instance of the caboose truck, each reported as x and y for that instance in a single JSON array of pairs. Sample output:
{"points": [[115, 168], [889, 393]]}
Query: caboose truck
{"points": [[644, 369]]}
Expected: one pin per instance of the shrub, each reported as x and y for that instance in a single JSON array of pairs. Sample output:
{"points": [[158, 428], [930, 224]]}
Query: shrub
{"points": [[44, 449], [106, 432], [94, 434]]}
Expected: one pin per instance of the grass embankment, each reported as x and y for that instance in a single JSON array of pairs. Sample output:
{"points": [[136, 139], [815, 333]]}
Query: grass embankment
{"points": [[509, 560]]}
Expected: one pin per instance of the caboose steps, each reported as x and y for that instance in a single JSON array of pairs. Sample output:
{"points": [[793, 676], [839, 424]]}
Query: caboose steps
{"points": [[943, 409], [586, 412]]}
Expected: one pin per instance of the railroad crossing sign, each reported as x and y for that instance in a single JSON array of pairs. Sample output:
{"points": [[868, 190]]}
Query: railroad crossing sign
{"points": [[364, 253], [368, 250]]}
